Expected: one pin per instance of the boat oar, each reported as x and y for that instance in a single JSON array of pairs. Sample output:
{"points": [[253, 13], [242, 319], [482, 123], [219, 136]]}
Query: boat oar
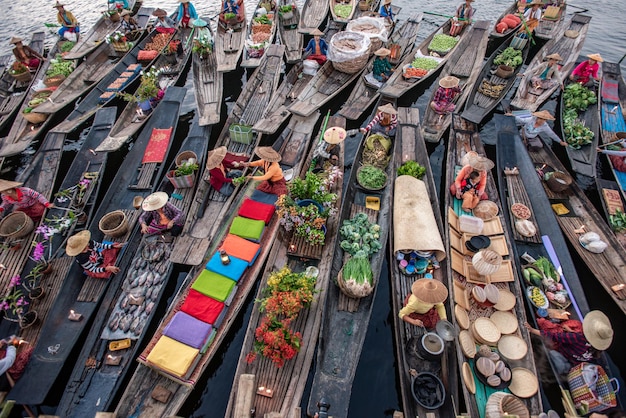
{"points": [[51, 25], [621, 59], [617, 141], [442, 15]]}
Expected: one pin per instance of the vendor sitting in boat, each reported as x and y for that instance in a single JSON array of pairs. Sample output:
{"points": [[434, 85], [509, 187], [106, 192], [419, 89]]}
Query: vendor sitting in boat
{"points": [[385, 121], [586, 73], [382, 68], [534, 126], [186, 12], [118, 4], [23, 199], [448, 90], [544, 76], [160, 216], [424, 306], [25, 54], [67, 20], [576, 343], [234, 7], [532, 16], [128, 25], [386, 11], [163, 20], [273, 181], [464, 14], [471, 181], [222, 168], [96, 258], [317, 47]]}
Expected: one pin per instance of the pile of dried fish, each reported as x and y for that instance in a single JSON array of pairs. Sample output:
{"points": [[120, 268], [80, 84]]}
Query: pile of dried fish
{"points": [[490, 90]]}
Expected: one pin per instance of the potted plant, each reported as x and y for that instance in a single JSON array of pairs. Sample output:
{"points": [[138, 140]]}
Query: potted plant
{"points": [[286, 12], [230, 18], [202, 45], [118, 41], [171, 50], [148, 93], [14, 305], [184, 176]]}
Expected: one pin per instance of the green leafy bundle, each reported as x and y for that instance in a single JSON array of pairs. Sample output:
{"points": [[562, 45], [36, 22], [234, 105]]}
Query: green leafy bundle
{"points": [[510, 56], [412, 168]]}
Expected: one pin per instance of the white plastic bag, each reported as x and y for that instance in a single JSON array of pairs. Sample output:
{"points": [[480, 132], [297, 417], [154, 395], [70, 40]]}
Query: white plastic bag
{"points": [[70, 36], [310, 67], [376, 22], [339, 52]]}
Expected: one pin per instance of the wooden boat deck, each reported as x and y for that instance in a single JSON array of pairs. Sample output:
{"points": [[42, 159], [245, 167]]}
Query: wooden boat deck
{"points": [[567, 48], [548, 28], [465, 63], [611, 200], [463, 138], [248, 61], [208, 87], [363, 95], [229, 45], [313, 14], [291, 37]]}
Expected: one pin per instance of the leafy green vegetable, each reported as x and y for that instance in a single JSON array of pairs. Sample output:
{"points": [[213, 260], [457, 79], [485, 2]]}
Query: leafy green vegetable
{"points": [[358, 269], [371, 177], [263, 19], [578, 97], [58, 66], [343, 10], [425, 63], [442, 43], [618, 221], [510, 56], [360, 236], [67, 46], [412, 168], [547, 268], [577, 134]]}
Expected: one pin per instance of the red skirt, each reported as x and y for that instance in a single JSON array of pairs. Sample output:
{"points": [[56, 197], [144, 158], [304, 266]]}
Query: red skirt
{"points": [[109, 260], [321, 59], [34, 212], [274, 187], [429, 319]]}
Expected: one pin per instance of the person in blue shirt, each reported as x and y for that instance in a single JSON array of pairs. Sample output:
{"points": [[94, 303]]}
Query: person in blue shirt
{"points": [[317, 47], [186, 12], [386, 11]]}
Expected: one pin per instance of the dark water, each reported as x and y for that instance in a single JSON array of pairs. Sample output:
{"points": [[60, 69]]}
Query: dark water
{"points": [[375, 390]]}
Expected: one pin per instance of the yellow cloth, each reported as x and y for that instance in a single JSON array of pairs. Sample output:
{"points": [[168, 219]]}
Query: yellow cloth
{"points": [[417, 306], [172, 356], [70, 17], [273, 173]]}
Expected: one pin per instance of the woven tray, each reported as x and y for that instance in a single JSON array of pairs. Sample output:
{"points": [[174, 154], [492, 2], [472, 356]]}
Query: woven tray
{"points": [[505, 321], [486, 331], [512, 347]]}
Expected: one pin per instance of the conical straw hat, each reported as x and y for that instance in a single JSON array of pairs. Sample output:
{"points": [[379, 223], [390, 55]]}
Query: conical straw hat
{"points": [[77, 243], [15, 40], [8, 184], [335, 135], [480, 163], [544, 114], [154, 201], [597, 330], [268, 154], [596, 57], [554, 56], [388, 108], [449, 82], [429, 290], [215, 157]]}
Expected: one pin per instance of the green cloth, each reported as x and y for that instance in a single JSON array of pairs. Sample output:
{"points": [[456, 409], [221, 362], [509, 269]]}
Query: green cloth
{"points": [[381, 66], [213, 285], [247, 228]]}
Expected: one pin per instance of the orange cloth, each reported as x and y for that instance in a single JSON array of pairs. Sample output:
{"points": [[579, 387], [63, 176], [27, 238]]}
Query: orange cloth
{"points": [[465, 172], [273, 172], [163, 220]]}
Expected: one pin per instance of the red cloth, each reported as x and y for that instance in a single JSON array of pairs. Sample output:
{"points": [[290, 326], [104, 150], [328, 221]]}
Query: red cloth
{"points": [[21, 360], [321, 59], [273, 187], [546, 325], [34, 212], [157, 146], [109, 257], [202, 307], [429, 319], [161, 29], [618, 163], [147, 55], [252, 209]]}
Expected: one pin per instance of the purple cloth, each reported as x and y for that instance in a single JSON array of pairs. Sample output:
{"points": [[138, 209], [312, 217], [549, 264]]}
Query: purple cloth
{"points": [[188, 330]]}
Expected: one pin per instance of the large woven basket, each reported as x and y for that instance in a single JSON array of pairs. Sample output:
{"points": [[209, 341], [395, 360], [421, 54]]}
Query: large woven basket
{"points": [[347, 290], [35, 118], [357, 62], [559, 181], [114, 224], [54, 81], [500, 404], [121, 46], [16, 225], [23, 77], [185, 156]]}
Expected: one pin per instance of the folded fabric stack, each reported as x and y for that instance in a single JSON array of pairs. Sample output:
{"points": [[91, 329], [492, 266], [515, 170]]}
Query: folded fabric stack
{"points": [[120, 83], [190, 332]]}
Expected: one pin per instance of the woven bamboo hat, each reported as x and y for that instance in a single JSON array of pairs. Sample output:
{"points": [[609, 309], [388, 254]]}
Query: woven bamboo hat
{"points": [[215, 157], [382, 52], [268, 154], [335, 135], [317, 32], [387, 2], [597, 330], [524, 383], [8, 185], [429, 290], [125, 13], [449, 82], [536, 3], [57, 5], [544, 114], [16, 39], [154, 201], [554, 56], [480, 163], [388, 108], [159, 13], [77, 243], [505, 321], [506, 301], [199, 23], [595, 57]]}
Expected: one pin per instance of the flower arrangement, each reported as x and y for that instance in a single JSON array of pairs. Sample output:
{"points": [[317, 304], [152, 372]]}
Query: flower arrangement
{"points": [[116, 36], [18, 68], [148, 89], [172, 47], [76, 193], [202, 45], [13, 302]]}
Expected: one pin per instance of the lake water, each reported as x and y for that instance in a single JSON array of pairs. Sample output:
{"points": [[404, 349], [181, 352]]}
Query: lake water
{"points": [[375, 391]]}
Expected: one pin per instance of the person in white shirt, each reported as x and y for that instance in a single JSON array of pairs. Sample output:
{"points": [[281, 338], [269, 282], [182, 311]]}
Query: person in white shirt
{"points": [[9, 359], [535, 125]]}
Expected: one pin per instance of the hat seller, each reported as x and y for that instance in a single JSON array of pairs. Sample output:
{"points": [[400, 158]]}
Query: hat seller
{"points": [[160, 216], [385, 121], [16, 197], [424, 306], [273, 180], [97, 259], [222, 168], [471, 181]]}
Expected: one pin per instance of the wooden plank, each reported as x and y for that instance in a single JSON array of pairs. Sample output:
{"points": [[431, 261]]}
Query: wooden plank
{"points": [[244, 400]]}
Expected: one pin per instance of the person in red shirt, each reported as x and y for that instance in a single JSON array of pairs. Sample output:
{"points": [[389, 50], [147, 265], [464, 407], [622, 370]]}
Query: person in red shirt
{"points": [[29, 201], [273, 180], [586, 72], [222, 168]]}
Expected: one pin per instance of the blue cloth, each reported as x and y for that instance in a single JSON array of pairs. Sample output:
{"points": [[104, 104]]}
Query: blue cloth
{"points": [[233, 270], [311, 46], [231, 6], [263, 197], [386, 11], [192, 12]]}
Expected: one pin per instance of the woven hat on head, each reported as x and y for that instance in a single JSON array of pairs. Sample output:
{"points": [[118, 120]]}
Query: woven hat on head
{"points": [[199, 23], [536, 3], [57, 5], [544, 114], [125, 13], [449, 82], [184, 1], [388, 108], [335, 135], [77, 243], [595, 57], [268, 154], [154, 201], [597, 330], [15, 40], [215, 157], [317, 32], [429, 291], [159, 13], [8, 185], [555, 57], [387, 2], [480, 163], [382, 52]]}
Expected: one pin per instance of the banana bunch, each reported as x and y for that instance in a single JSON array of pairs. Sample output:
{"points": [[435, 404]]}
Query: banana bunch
{"points": [[537, 297]]}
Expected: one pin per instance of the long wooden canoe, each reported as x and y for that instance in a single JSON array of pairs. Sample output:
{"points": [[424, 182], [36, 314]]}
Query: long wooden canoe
{"points": [[209, 203], [229, 44], [84, 294], [465, 64], [478, 104], [341, 19], [397, 85], [612, 202], [290, 36], [567, 48], [249, 60], [313, 14], [346, 319], [13, 92], [128, 122], [463, 278], [550, 26], [364, 94], [411, 146], [208, 86]]}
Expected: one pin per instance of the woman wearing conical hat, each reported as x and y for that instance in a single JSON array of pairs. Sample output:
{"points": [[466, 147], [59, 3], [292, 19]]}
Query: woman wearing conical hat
{"points": [[535, 125], [222, 168], [471, 181], [544, 76], [23, 199], [97, 259], [385, 121], [163, 20], [386, 11], [25, 54], [382, 69], [424, 306], [160, 216], [448, 90], [273, 180], [67, 20], [317, 47], [186, 12], [586, 73], [128, 25]]}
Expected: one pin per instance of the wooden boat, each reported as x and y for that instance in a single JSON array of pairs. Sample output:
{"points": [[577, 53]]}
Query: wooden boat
{"points": [[465, 64], [567, 48], [91, 389], [251, 57], [551, 22], [397, 85], [149, 375], [290, 36], [208, 86], [13, 92], [83, 294], [548, 242], [364, 93], [497, 36], [464, 277], [612, 202], [90, 40], [229, 44], [478, 104], [208, 203], [345, 320], [583, 160], [129, 122], [411, 146], [334, 3], [313, 14], [287, 383], [91, 102]]}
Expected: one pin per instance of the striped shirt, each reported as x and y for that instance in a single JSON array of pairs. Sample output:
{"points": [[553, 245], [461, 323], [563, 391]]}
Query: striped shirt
{"points": [[92, 259], [573, 345], [25, 198], [392, 124]]}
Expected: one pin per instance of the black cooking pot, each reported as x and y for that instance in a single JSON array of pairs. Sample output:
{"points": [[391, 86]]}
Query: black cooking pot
{"points": [[428, 391], [430, 346]]}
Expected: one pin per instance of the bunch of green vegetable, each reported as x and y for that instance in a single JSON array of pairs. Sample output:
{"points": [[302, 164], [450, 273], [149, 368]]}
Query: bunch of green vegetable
{"points": [[58, 66], [510, 56], [578, 97], [313, 187], [263, 19], [442, 43], [67, 46], [547, 268], [360, 237], [371, 177], [343, 10], [425, 63], [412, 168], [238, 181], [359, 270], [577, 134], [532, 276], [618, 221], [186, 169], [229, 16]]}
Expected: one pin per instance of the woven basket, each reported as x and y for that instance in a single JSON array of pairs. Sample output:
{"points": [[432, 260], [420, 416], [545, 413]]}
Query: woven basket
{"points": [[115, 17], [486, 262], [364, 5], [22, 77], [114, 224], [120, 46], [501, 403], [504, 71], [359, 60], [559, 181], [181, 182], [369, 188], [54, 80], [185, 156], [347, 291], [16, 225], [35, 118]]}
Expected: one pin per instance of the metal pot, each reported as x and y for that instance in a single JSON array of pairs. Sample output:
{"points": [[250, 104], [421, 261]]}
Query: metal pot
{"points": [[431, 346], [428, 390]]}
